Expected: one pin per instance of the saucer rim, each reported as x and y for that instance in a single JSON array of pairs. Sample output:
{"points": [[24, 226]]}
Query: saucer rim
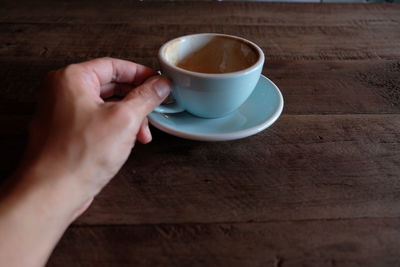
{"points": [[227, 136]]}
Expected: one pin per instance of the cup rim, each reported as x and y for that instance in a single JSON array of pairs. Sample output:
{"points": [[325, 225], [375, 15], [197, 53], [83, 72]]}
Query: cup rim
{"points": [[260, 60]]}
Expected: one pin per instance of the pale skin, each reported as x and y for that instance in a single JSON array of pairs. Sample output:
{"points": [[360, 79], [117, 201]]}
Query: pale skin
{"points": [[78, 142]]}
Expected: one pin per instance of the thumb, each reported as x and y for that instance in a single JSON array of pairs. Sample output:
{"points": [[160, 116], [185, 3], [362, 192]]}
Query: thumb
{"points": [[144, 98]]}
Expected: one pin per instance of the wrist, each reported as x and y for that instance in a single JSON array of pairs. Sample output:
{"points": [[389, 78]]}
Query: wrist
{"points": [[34, 214], [49, 191]]}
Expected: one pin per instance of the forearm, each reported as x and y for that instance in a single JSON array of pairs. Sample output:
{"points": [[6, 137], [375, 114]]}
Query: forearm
{"points": [[33, 217], [77, 143]]}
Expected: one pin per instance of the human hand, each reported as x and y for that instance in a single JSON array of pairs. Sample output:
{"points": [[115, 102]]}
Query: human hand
{"points": [[78, 141]]}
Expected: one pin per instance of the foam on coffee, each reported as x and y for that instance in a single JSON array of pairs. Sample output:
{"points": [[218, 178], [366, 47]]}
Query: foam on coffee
{"points": [[220, 55]]}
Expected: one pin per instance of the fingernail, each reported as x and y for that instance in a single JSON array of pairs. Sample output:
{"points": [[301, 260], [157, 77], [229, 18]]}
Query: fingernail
{"points": [[162, 86], [148, 133]]}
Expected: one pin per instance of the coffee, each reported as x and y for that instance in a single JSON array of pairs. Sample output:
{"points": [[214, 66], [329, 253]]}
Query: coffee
{"points": [[220, 55]]}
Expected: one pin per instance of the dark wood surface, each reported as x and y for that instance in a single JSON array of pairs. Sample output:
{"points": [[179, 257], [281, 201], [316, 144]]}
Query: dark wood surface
{"points": [[321, 187]]}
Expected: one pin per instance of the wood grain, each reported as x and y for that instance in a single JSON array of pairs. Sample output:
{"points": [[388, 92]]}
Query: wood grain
{"points": [[319, 188], [239, 13], [309, 87], [303, 167], [136, 30], [82, 41], [362, 242]]}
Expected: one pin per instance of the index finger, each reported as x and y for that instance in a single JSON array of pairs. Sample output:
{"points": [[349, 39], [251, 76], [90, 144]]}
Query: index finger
{"points": [[109, 70]]}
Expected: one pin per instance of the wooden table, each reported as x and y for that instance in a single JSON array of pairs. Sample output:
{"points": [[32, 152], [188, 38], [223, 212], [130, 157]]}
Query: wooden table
{"points": [[321, 187]]}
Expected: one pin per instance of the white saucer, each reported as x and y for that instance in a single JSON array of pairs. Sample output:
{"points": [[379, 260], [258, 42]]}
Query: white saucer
{"points": [[261, 109]]}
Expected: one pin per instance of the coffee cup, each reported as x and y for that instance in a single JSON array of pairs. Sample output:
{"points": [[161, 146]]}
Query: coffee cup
{"points": [[212, 74]]}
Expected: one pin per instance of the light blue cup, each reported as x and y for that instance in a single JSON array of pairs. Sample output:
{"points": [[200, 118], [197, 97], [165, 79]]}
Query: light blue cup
{"points": [[203, 94]]}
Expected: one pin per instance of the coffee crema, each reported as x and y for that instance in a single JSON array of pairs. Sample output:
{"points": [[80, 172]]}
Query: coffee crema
{"points": [[220, 55]]}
